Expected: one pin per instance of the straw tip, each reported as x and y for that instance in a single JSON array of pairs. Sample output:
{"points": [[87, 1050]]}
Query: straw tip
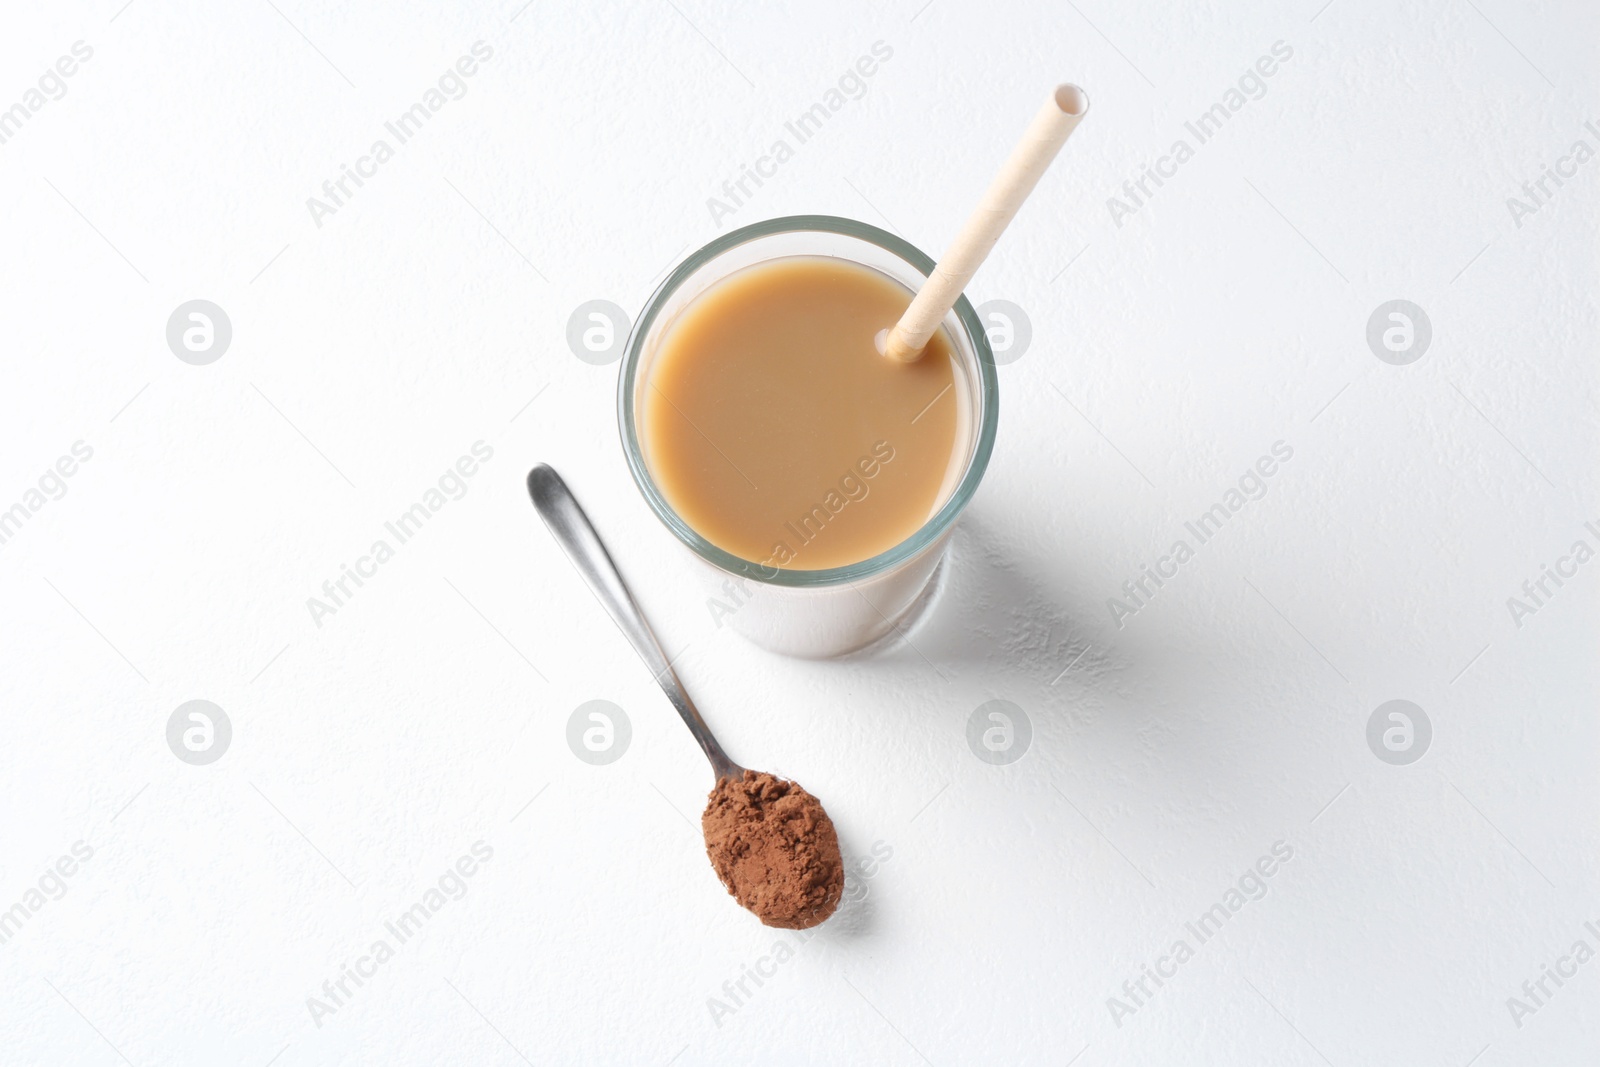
{"points": [[1071, 99]]}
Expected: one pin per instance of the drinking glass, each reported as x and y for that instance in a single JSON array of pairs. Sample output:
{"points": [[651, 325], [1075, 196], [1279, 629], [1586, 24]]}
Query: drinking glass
{"points": [[815, 613]]}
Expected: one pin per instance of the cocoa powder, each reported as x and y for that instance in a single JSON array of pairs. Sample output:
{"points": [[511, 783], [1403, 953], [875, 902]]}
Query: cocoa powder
{"points": [[774, 848]]}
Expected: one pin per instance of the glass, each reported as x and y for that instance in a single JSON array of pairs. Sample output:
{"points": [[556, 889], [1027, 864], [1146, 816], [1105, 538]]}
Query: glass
{"points": [[815, 613]]}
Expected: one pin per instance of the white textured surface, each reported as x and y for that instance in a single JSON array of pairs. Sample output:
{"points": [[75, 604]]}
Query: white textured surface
{"points": [[1171, 755]]}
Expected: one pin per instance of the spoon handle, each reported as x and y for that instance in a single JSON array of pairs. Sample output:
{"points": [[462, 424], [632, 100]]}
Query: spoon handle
{"points": [[576, 536]]}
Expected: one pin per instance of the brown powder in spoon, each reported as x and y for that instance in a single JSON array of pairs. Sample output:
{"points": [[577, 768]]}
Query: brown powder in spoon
{"points": [[774, 848]]}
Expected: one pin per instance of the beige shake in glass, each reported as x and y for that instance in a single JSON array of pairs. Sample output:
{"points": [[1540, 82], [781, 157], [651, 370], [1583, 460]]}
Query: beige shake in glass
{"points": [[809, 403]]}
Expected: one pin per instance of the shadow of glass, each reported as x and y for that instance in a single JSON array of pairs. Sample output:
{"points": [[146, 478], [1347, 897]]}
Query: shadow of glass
{"points": [[990, 611]]}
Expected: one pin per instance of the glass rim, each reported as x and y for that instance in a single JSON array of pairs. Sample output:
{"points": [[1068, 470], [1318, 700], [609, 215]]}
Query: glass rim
{"points": [[987, 385]]}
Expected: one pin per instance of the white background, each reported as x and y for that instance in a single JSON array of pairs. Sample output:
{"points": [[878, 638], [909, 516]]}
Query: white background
{"points": [[1167, 755]]}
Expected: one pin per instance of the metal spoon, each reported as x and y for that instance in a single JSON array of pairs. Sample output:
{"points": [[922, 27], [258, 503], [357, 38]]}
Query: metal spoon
{"points": [[763, 867], [577, 538]]}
